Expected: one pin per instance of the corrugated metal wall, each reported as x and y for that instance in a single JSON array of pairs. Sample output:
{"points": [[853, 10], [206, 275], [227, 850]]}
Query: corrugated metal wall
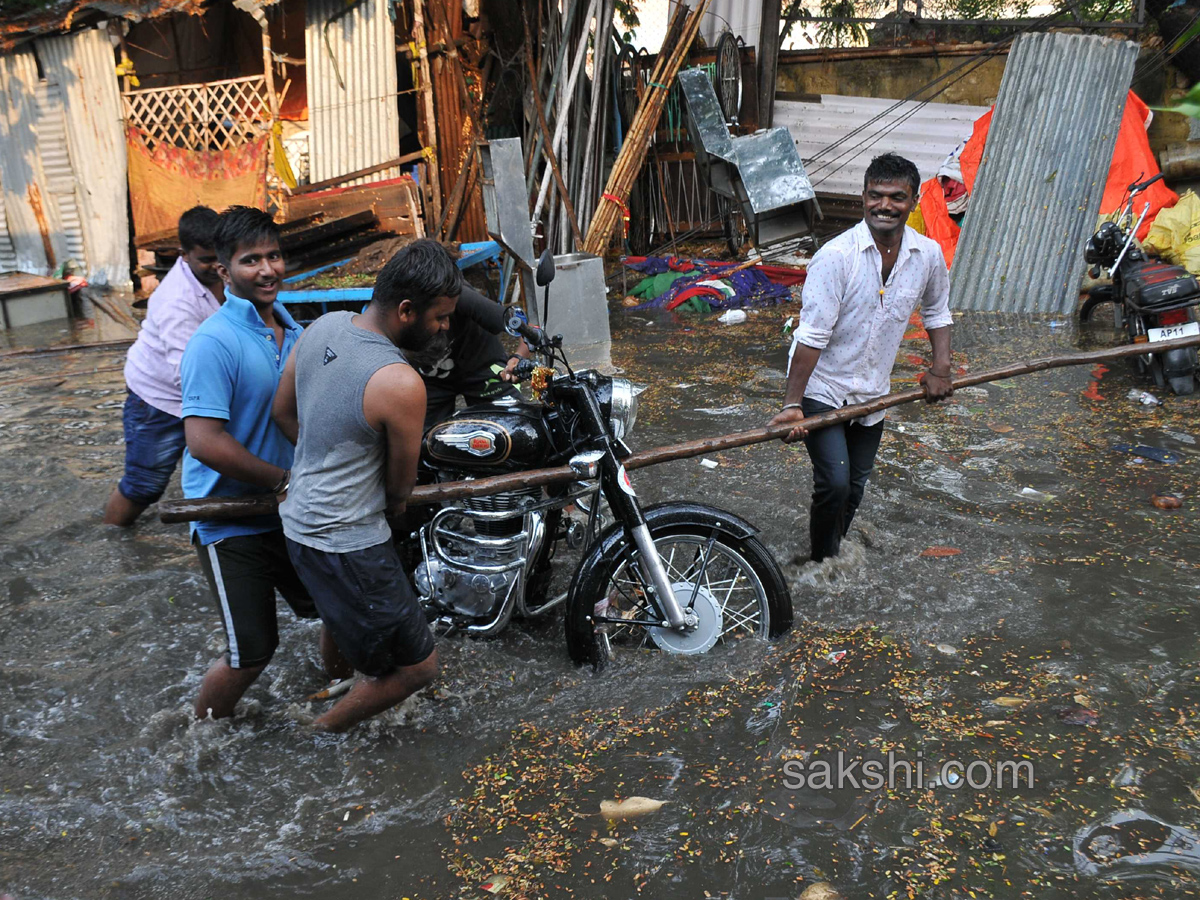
{"points": [[353, 120], [31, 221], [82, 64], [1037, 195], [8, 256], [455, 145], [836, 155], [56, 163], [742, 17]]}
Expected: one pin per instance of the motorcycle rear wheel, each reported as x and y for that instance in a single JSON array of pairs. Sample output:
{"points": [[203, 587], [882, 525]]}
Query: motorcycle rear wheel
{"points": [[741, 578], [1183, 384]]}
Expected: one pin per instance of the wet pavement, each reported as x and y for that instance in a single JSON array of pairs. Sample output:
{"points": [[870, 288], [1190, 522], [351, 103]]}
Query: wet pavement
{"points": [[1009, 593]]}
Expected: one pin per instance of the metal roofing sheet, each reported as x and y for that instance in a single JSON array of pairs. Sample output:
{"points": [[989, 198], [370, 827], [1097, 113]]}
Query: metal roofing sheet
{"points": [[81, 64], [8, 256], [353, 118], [32, 223], [838, 137], [56, 162], [1037, 194]]}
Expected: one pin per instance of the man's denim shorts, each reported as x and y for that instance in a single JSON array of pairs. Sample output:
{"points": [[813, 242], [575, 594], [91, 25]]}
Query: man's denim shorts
{"points": [[154, 443]]}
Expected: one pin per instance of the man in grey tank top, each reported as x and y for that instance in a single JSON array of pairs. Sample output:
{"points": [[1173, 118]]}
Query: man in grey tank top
{"points": [[354, 408]]}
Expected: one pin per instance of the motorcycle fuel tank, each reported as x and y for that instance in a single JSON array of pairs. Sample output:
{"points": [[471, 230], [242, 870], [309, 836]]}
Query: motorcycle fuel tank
{"points": [[492, 438]]}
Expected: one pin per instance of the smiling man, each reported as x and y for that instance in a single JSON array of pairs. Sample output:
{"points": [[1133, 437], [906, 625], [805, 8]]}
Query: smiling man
{"points": [[859, 293], [230, 371]]}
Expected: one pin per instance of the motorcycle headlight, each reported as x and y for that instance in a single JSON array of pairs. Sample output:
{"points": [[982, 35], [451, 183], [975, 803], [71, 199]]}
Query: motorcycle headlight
{"points": [[624, 408]]}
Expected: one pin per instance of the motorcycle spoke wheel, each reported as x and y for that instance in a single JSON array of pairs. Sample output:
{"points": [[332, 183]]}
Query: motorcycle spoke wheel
{"points": [[727, 577]]}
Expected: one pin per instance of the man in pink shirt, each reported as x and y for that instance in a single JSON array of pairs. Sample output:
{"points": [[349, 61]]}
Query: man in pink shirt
{"points": [[190, 293]]}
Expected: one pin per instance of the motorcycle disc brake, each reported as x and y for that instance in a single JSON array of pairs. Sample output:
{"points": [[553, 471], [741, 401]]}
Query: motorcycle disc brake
{"points": [[704, 635]]}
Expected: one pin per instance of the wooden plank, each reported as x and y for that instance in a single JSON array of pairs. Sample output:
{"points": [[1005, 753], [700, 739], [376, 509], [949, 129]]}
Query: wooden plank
{"points": [[327, 231], [16, 284]]}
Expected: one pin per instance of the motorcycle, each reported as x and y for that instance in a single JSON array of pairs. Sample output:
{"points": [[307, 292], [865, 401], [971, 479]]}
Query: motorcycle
{"points": [[682, 577], [1152, 300]]}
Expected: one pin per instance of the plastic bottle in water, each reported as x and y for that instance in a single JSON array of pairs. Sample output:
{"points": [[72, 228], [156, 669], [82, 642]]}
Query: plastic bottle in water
{"points": [[732, 317]]}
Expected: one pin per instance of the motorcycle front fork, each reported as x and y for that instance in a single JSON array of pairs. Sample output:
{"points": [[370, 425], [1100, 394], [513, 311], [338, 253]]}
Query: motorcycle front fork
{"points": [[623, 501]]}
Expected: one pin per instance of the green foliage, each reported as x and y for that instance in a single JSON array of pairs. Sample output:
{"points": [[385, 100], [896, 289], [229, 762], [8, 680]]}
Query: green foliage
{"points": [[1189, 105], [627, 12], [832, 34]]}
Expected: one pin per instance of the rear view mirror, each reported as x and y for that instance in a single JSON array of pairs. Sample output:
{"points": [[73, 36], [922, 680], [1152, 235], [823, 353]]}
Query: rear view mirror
{"points": [[545, 269]]}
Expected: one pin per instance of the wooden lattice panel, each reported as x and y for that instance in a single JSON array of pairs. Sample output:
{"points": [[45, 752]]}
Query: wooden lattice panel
{"points": [[212, 116]]}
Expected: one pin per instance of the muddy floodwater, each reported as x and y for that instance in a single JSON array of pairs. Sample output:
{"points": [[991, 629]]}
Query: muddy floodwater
{"points": [[1009, 594]]}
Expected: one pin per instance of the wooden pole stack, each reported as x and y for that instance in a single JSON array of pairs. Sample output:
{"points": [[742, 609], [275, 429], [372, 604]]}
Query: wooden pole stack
{"points": [[612, 207]]}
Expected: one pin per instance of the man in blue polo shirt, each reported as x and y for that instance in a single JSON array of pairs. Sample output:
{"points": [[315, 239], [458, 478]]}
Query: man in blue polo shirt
{"points": [[229, 374]]}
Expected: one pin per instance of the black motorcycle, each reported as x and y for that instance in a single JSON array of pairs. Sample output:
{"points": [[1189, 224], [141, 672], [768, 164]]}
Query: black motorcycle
{"points": [[682, 577], [1152, 300]]}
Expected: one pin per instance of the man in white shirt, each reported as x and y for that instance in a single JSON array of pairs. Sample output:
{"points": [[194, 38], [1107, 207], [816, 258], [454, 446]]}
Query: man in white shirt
{"points": [[188, 294], [861, 289]]}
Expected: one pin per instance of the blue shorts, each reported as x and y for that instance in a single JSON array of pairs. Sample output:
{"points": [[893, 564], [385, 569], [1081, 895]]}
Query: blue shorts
{"points": [[154, 443]]}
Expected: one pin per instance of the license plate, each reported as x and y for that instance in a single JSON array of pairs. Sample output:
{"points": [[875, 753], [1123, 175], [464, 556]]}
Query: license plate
{"points": [[1170, 332]]}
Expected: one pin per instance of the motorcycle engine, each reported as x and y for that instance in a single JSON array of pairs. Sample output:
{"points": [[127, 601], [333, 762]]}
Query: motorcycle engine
{"points": [[464, 580]]}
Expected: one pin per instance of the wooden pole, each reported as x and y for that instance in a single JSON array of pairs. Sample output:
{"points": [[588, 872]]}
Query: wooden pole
{"points": [[231, 508], [426, 90], [768, 61]]}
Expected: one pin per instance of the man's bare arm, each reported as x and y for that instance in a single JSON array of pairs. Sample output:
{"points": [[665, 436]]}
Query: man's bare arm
{"points": [[804, 360], [394, 403], [283, 410], [209, 442], [937, 380]]}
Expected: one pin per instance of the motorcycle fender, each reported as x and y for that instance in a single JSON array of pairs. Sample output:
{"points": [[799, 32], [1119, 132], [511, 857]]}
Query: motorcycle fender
{"points": [[1178, 362], [665, 515]]}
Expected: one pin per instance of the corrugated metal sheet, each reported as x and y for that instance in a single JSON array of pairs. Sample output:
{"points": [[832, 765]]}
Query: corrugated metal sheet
{"points": [[1039, 186], [353, 119], [838, 137], [82, 64], [455, 145], [8, 256], [743, 18], [32, 223], [56, 163]]}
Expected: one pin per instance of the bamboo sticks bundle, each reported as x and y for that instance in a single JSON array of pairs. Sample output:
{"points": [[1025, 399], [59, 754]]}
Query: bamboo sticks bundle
{"points": [[612, 207]]}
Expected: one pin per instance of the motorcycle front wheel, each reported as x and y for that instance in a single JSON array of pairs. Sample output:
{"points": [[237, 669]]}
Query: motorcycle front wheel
{"points": [[726, 574]]}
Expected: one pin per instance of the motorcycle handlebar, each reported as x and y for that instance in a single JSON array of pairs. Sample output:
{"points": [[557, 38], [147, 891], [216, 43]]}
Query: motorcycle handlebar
{"points": [[524, 369], [517, 326], [1137, 188]]}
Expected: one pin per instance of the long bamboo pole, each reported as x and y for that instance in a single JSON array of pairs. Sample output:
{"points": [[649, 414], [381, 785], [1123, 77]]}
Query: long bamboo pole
{"points": [[232, 508]]}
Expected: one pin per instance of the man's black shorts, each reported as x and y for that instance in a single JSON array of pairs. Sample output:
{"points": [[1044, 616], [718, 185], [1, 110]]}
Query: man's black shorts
{"points": [[244, 572], [367, 604]]}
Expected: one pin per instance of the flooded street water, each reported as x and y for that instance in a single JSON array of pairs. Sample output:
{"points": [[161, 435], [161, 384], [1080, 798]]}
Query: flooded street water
{"points": [[1062, 633]]}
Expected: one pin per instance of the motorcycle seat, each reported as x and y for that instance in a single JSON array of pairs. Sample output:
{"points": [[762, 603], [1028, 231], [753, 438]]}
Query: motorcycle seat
{"points": [[1154, 286]]}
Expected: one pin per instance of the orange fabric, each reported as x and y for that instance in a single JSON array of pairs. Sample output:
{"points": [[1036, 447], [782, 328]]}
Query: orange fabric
{"points": [[972, 154], [167, 181], [938, 224], [1132, 161]]}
